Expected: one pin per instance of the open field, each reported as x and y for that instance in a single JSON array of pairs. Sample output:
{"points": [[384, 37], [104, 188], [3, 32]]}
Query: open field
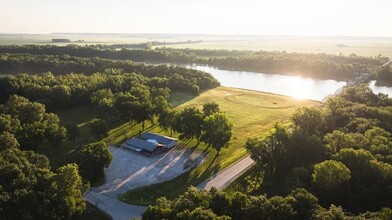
{"points": [[364, 46], [252, 114], [347, 46]]}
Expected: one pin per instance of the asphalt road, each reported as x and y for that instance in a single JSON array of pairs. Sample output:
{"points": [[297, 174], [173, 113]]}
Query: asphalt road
{"points": [[223, 178]]}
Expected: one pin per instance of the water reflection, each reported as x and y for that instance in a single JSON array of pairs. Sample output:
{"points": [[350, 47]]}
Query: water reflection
{"points": [[380, 89], [295, 86]]}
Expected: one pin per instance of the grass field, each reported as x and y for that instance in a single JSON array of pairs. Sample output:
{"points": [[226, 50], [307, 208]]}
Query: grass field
{"points": [[364, 46], [252, 114]]}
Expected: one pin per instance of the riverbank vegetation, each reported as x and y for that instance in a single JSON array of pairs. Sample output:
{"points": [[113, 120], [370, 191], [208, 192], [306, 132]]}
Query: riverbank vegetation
{"points": [[306, 64], [37, 162], [249, 111], [61, 106], [322, 166]]}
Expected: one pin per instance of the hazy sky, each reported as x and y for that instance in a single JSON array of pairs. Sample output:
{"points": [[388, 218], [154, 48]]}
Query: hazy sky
{"points": [[253, 17]]}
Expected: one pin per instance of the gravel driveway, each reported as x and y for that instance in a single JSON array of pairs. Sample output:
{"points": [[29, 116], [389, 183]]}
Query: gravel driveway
{"points": [[129, 170]]}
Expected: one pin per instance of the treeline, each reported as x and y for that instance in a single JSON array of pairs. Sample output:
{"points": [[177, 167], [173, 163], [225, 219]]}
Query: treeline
{"points": [[329, 160], [176, 78], [384, 75], [219, 205], [342, 152], [66, 91], [29, 187], [313, 65], [210, 125]]}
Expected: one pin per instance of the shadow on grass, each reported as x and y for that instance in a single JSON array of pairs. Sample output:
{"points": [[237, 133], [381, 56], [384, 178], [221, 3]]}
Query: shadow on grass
{"points": [[178, 98]]}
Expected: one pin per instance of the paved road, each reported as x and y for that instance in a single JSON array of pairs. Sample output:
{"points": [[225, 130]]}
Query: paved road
{"points": [[113, 207], [107, 202], [387, 63], [223, 178]]}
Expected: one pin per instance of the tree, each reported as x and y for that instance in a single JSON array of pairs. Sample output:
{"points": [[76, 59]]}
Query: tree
{"points": [[30, 190], [338, 140], [54, 133], [68, 191], [216, 131], [311, 120], [166, 119], [210, 108], [269, 152], [72, 132], [92, 159], [189, 123], [9, 124], [99, 128], [135, 105], [330, 179], [305, 203], [8, 141], [29, 122]]}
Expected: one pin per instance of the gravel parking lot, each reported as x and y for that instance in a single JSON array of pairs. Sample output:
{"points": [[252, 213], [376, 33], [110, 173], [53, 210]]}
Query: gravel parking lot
{"points": [[129, 170]]}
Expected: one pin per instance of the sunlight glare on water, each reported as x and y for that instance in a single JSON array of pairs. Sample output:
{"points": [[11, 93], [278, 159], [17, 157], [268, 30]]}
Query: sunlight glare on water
{"points": [[294, 86]]}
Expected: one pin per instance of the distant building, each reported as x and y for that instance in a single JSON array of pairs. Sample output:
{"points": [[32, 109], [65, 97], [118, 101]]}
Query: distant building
{"points": [[61, 40], [150, 143]]}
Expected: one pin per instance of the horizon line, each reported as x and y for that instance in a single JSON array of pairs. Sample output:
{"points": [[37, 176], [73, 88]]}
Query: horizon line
{"points": [[194, 34]]}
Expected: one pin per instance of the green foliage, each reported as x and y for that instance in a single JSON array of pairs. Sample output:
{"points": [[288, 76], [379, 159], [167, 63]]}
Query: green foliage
{"points": [[201, 204], [268, 153], [166, 119], [189, 123], [311, 120], [29, 123], [92, 159], [338, 140], [210, 108], [315, 65], [8, 141], [99, 128], [72, 132], [30, 190], [216, 131], [72, 89], [330, 174]]}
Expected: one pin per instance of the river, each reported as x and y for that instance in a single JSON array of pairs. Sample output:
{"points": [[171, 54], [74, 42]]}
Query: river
{"points": [[380, 89], [295, 86]]}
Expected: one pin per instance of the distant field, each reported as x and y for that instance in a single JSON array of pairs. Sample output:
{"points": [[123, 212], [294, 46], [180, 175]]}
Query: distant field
{"points": [[252, 113], [365, 47], [331, 45]]}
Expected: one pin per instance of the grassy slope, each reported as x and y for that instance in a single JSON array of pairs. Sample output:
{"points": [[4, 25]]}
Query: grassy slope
{"points": [[252, 113]]}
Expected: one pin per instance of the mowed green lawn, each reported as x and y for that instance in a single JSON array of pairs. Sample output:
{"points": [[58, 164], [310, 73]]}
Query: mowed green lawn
{"points": [[252, 114]]}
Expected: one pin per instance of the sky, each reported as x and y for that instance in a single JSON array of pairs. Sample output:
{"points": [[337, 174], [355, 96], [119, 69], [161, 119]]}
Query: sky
{"points": [[223, 17]]}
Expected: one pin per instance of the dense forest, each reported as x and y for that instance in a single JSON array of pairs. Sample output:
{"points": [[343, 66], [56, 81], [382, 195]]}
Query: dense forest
{"points": [[384, 75], [313, 65], [178, 78], [333, 162], [322, 165]]}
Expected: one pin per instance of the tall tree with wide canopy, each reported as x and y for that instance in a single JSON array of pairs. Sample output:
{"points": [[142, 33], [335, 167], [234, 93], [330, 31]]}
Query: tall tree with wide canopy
{"points": [[217, 131]]}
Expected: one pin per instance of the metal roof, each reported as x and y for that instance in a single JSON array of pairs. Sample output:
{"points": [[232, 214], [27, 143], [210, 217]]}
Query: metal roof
{"points": [[161, 139], [141, 144]]}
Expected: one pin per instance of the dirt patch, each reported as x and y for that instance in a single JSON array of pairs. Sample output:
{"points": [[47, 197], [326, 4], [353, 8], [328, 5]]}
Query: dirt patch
{"points": [[129, 170]]}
